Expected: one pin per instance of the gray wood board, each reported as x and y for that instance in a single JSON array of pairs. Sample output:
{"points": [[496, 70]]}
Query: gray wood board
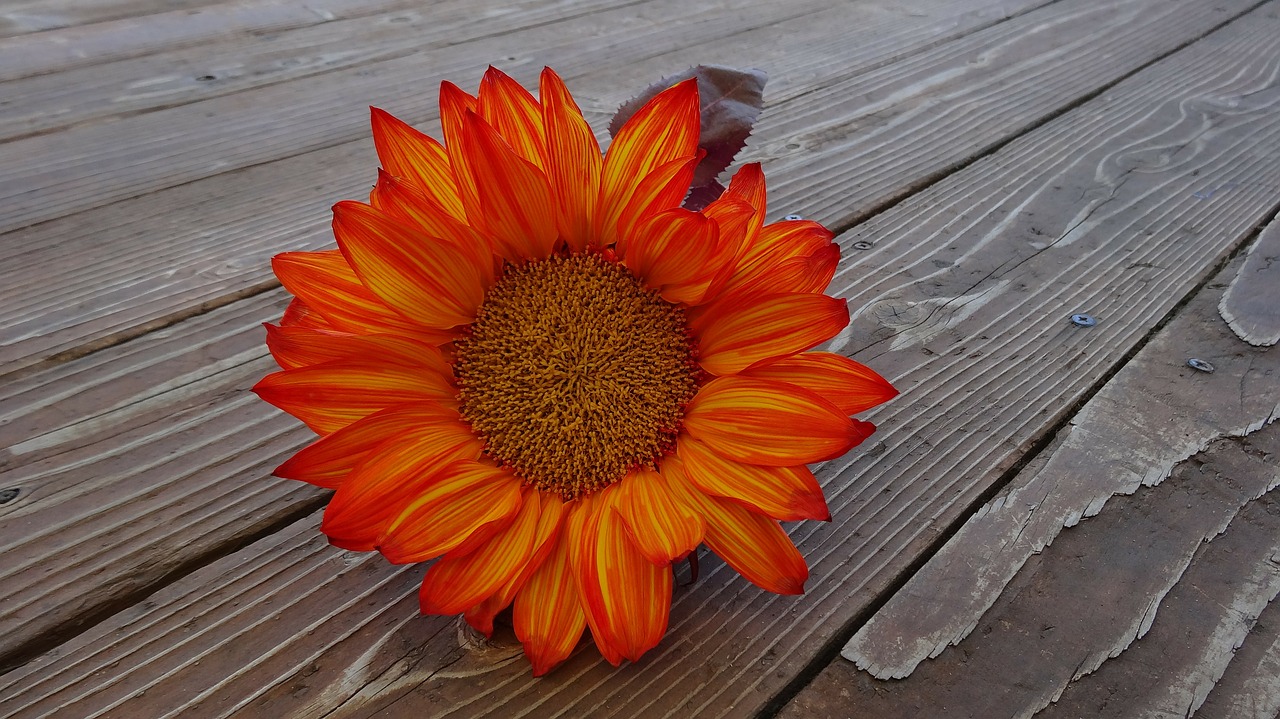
{"points": [[1151, 590], [1251, 304], [988, 365], [1070, 608], [929, 113]]}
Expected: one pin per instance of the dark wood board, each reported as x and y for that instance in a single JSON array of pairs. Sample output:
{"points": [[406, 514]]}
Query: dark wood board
{"points": [[1069, 609]]}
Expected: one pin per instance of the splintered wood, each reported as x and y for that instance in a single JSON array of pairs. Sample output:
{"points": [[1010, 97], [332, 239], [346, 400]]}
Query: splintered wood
{"points": [[992, 167]]}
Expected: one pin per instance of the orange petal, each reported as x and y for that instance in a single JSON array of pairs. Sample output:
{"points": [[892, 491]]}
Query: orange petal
{"points": [[851, 386], [732, 337], [665, 129], [297, 346], [746, 187], [659, 524], [299, 314], [514, 113], [432, 282], [626, 597], [776, 243], [327, 461], [785, 493], [806, 273], [454, 106], [329, 287], [480, 616], [662, 189], [453, 584], [755, 546], [514, 196], [412, 155], [548, 616], [769, 423], [573, 163], [330, 396], [459, 499], [392, 475], [736, 221], [673, 252], [405, 202]]}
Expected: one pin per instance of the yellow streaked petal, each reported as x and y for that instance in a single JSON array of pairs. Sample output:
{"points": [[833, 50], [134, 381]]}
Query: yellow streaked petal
{"points": [[733, 337], [755, 546], [453, 584], [514, 198], [769, 423], [626, 597], [573, 164], [547, 614], [785, 493], [328, 461], [414, 156], [331, 289], [435, 283], [664, 130], [460, 499], [392, 474], [550, 519], [514, 114], [849, 385], [330, 396], [659, 524]]}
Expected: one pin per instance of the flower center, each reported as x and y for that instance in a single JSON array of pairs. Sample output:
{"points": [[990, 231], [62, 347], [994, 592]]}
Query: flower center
{"points": [[574, 372]]}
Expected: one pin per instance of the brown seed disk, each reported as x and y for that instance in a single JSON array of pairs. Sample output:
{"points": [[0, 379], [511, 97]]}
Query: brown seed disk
{"points": [[574, 372]]}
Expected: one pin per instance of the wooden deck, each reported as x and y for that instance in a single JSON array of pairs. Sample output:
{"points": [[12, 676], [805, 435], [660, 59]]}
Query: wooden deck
{"points": [[1054, 520]]}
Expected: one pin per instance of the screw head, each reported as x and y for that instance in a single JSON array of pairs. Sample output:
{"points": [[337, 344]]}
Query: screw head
{"points": [[861, 245], [1198, 364], [1082, 320], [793, 217]]}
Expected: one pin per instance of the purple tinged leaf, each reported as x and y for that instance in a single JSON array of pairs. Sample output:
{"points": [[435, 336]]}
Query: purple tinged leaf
{"points": [[731, 102]]}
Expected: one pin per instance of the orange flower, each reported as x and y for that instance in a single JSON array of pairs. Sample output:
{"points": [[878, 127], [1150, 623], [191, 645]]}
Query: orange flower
{"points": [[527, 362]]}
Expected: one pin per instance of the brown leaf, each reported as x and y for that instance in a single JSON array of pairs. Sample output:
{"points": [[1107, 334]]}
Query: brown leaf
{"points": [[731, 102]]}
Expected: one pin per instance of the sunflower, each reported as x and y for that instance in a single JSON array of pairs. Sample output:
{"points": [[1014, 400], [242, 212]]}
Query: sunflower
{"points": [[527, 362]]}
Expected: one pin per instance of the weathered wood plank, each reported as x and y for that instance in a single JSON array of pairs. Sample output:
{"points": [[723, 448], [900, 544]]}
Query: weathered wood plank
{"points": [[228, 253], [134, 464], [1071, 608], [48, 176], [54, 50], [24, 16], [1203, 619], [167, 79], [1251, 305], [226, 233], [1153, 414], [1248, 689], [731, 647], [1141, 573]]}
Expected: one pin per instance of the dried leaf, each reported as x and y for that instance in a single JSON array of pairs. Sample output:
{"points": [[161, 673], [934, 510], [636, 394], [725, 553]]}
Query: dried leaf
{"points": [[731, 102]]}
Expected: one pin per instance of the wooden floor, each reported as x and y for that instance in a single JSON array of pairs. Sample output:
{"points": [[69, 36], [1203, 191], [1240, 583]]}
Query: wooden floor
{"points": [[1056, 519]]}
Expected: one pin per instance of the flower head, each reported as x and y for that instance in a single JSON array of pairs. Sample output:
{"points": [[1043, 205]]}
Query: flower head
{"points": [[529, 363]]}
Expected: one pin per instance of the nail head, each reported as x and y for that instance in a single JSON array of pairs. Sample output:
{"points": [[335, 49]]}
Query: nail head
{"points": [[1198, 364], [1083, 320]]}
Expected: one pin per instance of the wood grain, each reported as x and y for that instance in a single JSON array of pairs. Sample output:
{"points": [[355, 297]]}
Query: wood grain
{"points": [[240, 62], [1153, 414], [48, 176], [983, 381], [19, 17], [55, 50], [1251, 304], [228, 252], [134, 464], [1098, 597]]}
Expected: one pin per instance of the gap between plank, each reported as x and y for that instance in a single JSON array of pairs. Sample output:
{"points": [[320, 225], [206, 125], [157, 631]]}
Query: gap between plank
{"points": [[830, 650]]}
